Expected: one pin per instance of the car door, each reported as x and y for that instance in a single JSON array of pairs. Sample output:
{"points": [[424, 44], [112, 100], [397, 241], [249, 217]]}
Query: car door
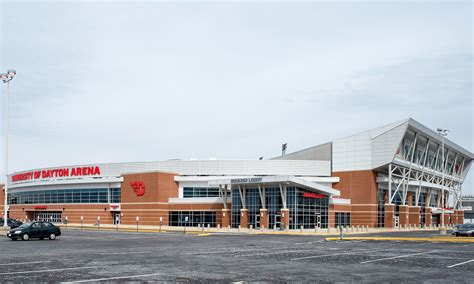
{"points": [[47, 229], [35, 231]]}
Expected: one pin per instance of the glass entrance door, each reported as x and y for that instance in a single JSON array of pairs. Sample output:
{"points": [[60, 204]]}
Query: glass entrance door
{"points": [[277, 221], [116, 216], [257, 221], [53, 217]]}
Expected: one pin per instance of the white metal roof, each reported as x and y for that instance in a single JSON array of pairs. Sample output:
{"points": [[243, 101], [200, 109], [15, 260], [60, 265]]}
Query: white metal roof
{"points": [[275, 180]]}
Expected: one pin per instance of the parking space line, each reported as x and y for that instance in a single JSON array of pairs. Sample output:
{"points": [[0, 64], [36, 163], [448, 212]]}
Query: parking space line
{"points": [[222, 251], [113, 278], [48, 270], [30, 262], [278, 252], [334, 254], [398, 256], [461, 263]]}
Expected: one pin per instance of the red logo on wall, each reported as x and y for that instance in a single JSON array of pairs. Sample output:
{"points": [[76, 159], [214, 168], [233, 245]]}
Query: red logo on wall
{"points": [[138, 187], [313, 195]]}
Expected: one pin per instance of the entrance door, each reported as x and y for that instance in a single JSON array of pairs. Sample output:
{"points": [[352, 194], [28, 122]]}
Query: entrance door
{"points": [[318, 220], [397, 221], [257, 221], [278, 221], [116, 215]]}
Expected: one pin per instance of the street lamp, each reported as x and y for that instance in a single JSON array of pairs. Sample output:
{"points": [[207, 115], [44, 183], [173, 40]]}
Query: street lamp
{"points": [[443, 133], [6, 78]]}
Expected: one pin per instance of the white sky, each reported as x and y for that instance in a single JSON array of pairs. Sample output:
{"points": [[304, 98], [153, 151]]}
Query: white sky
{"points": [[133, 81]]}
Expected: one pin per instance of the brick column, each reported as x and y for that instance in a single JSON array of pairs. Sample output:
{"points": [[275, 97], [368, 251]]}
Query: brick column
{"points": [[244, 218], [410, 198], [389, 221], [403, 215], [332, 217], [460, 216], [428, 217], [263, 218], [446, 218], [285, 218], [414, 215], [225, 221]]}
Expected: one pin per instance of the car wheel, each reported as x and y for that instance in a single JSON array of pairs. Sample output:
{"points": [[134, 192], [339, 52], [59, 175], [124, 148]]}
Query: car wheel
{"points": [[457, 234], [41, 238], [25, 237], [52, 236]]}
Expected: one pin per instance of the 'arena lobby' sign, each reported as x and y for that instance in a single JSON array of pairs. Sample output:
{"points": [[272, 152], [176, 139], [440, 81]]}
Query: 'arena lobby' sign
{"points": [[57, 173]]}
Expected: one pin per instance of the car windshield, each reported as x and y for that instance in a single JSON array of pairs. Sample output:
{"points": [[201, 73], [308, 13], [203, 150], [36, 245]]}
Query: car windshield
{"points": [[24, 226], [467, 226]]}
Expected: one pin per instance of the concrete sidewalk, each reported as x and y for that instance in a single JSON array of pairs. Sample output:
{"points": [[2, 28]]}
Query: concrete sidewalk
{"points": [[209, 230]]}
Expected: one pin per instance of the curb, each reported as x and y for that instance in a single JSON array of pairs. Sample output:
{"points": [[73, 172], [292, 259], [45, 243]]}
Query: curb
{"points": [[436, 239]]}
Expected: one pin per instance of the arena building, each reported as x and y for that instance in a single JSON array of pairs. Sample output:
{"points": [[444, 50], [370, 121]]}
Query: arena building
{"points": [[391, 176]]}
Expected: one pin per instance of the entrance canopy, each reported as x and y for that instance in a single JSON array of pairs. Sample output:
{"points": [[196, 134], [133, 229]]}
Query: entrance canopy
{"points": [[275, 181]]}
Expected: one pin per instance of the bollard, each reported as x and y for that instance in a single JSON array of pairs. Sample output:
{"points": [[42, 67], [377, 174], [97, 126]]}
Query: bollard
{"points": [[98, 223], [138, 219], [82, 218], [315, 229], [329, 230], [274, 228], [199, 226], [228, 228], [218, 226], [202, 228], [208, 226], [251, 227], [341, 236], [239, 228], [301, 229]]}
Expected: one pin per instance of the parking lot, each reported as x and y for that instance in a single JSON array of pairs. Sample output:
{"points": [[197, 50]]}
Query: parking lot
{"points": [[90, 256]]}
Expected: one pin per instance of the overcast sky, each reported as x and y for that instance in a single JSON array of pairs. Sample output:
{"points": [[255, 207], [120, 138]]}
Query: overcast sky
{"points": [[134, 81]]}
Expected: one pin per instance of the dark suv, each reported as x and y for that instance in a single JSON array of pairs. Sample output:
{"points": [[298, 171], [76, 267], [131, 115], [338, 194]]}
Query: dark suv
{"points": [[12, 223], [464, 230], [37, 229]]}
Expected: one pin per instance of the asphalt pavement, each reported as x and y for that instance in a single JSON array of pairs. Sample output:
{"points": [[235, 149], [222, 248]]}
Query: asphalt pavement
{"points": [[93, 256]]}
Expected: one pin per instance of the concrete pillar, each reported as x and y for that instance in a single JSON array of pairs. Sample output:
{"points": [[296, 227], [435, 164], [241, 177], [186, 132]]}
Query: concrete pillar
{"points": [[225, 220], [263, 218], [414, 215], [285, 218], [428, 217], [389, 216], [244, 218], [403, 215]]}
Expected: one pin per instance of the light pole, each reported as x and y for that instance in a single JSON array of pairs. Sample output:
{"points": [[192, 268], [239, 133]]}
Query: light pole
{"points": [[6, 78], [443, 133]]}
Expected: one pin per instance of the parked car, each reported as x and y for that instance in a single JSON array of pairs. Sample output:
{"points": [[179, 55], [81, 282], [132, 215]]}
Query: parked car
{"points": [[12, 223], [455, 229], [464, 230], [37, 229]]}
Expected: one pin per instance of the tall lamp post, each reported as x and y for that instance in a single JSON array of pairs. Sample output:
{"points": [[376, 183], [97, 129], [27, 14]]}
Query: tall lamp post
{"points": [[443, 133], [6, 78]]}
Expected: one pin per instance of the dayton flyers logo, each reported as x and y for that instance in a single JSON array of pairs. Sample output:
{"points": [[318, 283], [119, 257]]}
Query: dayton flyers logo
{"points": [[138, 187]]}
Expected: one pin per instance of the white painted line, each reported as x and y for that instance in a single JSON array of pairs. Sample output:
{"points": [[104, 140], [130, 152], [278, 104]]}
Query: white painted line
{"points": [[398, 256], [48, 270], [114, 278], [461, 263], [18, 263], [130, 252], [278, 252], [223, 251], [334, 254]]}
